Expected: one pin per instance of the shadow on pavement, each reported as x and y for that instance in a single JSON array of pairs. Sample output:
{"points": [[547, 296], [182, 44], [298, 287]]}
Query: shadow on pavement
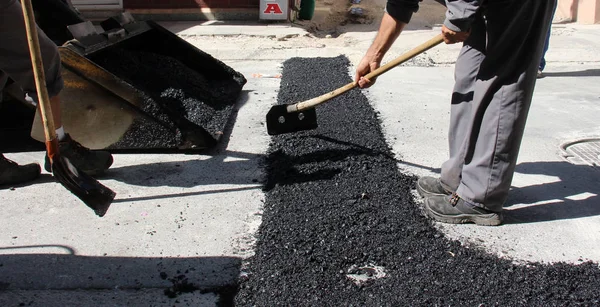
{"points": [[575, 193], [170, 196], [43, 178], [227, 168], [289, 167], [285, 169], [581, 73], [64, 270]]}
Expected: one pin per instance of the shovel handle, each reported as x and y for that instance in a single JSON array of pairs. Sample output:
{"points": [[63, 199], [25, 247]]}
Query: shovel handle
{"points": [[38, 72], [379, 71]]}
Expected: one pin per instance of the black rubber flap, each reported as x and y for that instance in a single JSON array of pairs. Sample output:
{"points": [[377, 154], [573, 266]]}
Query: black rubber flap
{"points": [[279, 121]]}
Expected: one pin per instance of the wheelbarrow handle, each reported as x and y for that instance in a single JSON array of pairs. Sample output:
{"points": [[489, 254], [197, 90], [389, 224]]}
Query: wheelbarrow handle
{"points": [[379, 71]]}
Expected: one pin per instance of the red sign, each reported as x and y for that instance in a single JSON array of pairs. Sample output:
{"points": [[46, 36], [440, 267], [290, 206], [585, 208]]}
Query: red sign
{"points": [[273, 8]]}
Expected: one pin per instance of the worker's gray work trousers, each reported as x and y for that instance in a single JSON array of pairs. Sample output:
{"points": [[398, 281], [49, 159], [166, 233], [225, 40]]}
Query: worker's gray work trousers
{"points": [[495, 76], [15, 60]]}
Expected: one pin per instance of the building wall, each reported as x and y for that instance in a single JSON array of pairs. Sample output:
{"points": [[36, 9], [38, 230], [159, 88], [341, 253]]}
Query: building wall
{"points": [[190, 4], [580, 11]]}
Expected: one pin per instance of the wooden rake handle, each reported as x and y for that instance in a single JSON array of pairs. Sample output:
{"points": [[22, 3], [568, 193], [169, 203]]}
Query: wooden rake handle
{"points": [[379, 71], [38, 71]]}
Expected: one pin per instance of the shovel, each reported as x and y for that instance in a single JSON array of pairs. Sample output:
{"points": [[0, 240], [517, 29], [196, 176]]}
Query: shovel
{"points": [[300, 116], [88, 189]]}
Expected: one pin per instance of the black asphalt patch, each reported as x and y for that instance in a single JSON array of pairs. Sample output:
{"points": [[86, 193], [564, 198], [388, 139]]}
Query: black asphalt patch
{"points": [[338, 207]]}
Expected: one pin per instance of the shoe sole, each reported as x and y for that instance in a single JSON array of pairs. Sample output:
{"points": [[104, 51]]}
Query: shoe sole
{"points": [[491, 219], [424, 193]]}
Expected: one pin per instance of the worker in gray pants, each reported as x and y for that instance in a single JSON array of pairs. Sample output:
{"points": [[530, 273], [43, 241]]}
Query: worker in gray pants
{"points": [[495, 75], [15, 63]]}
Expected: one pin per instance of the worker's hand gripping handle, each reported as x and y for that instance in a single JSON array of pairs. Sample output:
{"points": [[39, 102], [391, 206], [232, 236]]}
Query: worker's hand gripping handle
{"points": [[379, 71]]}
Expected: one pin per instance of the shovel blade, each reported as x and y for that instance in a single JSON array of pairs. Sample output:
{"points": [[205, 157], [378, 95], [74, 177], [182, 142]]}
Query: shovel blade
{"points": [[89, 190], [280, 121]]}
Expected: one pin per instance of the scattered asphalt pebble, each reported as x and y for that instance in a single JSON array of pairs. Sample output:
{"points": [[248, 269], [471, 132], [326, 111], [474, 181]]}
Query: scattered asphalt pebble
{"points": [[189, 107], [337, 205]]}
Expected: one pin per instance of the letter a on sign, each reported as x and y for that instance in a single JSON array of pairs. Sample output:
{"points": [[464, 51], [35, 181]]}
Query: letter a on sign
{"points": [[273, 8]]}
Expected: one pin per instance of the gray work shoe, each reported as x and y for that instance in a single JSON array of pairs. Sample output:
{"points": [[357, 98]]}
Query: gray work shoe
{"points": [[429, 186], [453, 210], [13, 173], [88, 161]]}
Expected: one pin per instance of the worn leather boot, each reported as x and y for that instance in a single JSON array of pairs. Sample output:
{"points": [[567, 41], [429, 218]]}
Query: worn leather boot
{"points": [[430, 186], [91, 162], [13, 173], [454, 210]]}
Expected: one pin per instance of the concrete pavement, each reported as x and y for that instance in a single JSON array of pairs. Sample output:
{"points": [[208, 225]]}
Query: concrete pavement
{"points": [[195, 215]]}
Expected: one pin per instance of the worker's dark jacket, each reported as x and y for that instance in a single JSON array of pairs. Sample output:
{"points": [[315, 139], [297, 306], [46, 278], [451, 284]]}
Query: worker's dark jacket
{"points": [[459, 16]]}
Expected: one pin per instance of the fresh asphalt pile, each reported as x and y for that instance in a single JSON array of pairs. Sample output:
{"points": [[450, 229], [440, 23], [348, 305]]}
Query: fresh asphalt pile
{"points": [[338, 210], [190, 106]]}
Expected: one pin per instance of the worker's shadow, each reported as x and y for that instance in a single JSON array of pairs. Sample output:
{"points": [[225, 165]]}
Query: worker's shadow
{"points": [[574, 193], [228, 168]]}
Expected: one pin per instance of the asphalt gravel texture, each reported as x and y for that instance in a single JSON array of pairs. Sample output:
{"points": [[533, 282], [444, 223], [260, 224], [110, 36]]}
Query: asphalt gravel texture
{"points": [[338, 207], [192, 105]]}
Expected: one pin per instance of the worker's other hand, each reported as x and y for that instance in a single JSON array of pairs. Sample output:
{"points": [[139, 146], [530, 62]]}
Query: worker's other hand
{"points": [[368, 64], [451, 37]]}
